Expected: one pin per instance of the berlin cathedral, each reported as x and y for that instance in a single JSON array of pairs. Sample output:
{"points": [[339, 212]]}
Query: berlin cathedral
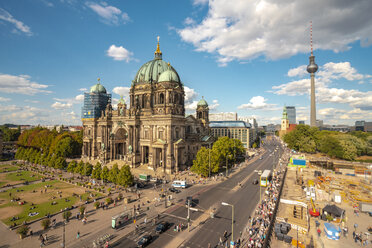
{"points": [[153, 130]]}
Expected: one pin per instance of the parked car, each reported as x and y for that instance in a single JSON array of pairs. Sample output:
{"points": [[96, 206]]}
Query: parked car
{"points": [[174, 190], [144, 241], [162, 227]]}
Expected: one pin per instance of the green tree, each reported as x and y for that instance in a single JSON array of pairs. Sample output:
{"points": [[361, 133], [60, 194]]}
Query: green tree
{"points": [[125, 177], [230, 150], [113, 174], [45, 223], [303, 138], [71, 166], [79, 168], [105, 173], [88, 168], [60, 163], [350, 151], [201, 163], [23, 230], [97, 170], [66, 215], [331, 146]]}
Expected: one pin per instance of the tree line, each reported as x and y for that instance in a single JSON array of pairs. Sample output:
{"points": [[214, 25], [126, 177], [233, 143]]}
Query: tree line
{"points": [[118, 176], [10, 134], [347, 146], [50, 142], [224, 152]]}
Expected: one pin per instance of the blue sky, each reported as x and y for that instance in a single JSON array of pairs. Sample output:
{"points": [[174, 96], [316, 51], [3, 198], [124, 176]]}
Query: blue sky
{"points": [[243, 56]]}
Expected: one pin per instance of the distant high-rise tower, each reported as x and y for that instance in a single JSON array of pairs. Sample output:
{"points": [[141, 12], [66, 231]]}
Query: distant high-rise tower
{"points": [[291, 111], [312, 68]]}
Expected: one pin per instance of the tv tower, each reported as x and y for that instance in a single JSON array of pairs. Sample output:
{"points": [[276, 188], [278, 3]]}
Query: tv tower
{"points": [[312, 68]]}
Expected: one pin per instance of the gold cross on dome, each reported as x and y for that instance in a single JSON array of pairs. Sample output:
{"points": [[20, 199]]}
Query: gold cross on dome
{"points": [[158, 38]]}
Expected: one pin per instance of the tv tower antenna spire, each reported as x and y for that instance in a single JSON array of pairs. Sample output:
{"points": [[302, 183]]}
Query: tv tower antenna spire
{"points": [[311, 37], [312, 68]]}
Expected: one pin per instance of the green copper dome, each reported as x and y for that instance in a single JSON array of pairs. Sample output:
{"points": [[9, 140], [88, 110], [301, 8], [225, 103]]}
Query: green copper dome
{"points": [[169, 76], [98, 88], [151, 71], [202, 103]]}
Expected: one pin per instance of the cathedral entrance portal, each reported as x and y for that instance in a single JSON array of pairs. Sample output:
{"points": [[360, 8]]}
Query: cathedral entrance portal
{"points": [[120, 145]]}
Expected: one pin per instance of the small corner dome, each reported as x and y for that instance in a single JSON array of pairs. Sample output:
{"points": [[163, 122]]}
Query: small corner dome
{"points": [[202, 103], [97, 88], [168, 76]]}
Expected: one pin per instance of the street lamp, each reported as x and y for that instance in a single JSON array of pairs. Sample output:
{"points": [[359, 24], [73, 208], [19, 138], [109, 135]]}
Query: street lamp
{"points": [[232, 219], [209, 160]]}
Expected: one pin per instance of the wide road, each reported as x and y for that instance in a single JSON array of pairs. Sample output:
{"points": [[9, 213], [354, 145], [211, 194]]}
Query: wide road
{"points": [[243, 198]]}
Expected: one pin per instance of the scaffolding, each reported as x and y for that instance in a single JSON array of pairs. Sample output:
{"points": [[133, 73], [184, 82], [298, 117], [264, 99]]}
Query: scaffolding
{"points": [[94, 104]]}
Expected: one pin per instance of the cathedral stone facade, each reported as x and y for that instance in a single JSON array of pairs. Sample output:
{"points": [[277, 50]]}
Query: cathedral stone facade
{"points": [[153, 129]]}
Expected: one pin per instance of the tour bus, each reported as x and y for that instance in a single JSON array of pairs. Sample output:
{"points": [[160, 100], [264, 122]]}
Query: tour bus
{"points": [[179, 184], [265, 178]]}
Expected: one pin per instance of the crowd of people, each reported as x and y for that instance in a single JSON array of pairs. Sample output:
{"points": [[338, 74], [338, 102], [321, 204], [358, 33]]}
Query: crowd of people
{"points": [[257, 228]]}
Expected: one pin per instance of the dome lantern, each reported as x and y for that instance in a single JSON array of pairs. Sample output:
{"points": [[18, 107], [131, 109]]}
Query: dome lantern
{"points": [[158, 53]]}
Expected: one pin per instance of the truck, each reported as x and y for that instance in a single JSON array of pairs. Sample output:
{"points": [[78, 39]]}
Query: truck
{"points": [[144, 177]]}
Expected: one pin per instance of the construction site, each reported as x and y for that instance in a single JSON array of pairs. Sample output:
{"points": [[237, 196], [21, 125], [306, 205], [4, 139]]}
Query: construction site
{"points": [[320, 207]]}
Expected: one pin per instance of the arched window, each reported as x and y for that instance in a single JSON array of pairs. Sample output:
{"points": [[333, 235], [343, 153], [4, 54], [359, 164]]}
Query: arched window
{"points": [[161, 98], [176, 98]]}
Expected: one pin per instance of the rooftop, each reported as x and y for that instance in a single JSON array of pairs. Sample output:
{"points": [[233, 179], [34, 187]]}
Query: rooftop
{"points": [[229, 124]]}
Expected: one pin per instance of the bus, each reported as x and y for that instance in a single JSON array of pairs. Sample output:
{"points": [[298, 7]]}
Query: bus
{"points": [[265, 178], [179, 184]]}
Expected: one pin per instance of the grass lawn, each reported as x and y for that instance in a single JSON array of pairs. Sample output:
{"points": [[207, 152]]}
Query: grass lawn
{"points": [[8, 167], [23, 176], [42, 201]]}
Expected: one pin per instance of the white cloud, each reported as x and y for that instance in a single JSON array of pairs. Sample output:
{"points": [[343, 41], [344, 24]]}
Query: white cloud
{"points": [[21, 84], [83, 89], [298, 72], [200, 2], [119, 53], [31, 101], [79, 98], [109, 14], [190, 98], [122, 91], [214, 105], [258, 102], [59, 105], [24, 115], [189, 21], [9, 108], [4, 99], [247, 29], [6, 16]]}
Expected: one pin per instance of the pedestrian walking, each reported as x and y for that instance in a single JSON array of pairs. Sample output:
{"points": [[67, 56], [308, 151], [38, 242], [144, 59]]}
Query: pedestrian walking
{"points": [[220, 242], [78, 235], [319, 232], [46, 237]]}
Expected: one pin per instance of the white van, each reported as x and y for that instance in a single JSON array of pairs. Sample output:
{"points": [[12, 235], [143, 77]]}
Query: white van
{"points": [[179, 184]]}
